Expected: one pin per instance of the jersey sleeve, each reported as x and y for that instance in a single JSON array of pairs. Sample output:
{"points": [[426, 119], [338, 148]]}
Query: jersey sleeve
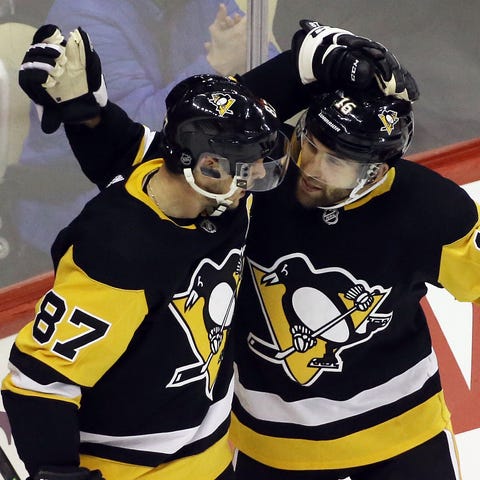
{"points": [[82, 326], [278, 82], [460, 266], [80, 330], [108, 149]]}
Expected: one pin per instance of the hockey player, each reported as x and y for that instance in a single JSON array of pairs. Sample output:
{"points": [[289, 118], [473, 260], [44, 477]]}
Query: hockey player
{"points": [[335, 372], [125, 369], [126, 361]]}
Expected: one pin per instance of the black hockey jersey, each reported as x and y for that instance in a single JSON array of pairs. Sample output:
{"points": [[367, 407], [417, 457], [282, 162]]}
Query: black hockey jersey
{"points": [[333, 354], [131, 345]]}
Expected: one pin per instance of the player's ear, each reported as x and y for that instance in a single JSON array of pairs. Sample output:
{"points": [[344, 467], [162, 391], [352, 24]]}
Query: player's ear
{"points": [[380, 173]]}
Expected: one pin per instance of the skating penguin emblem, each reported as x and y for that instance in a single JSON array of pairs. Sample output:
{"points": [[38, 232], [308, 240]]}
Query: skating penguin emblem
{"points": [[205, 312], [314, 315]]}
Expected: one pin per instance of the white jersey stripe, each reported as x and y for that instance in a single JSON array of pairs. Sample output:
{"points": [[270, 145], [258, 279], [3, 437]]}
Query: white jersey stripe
{"points": [[317, 411], [21, 380], [169, 442]]}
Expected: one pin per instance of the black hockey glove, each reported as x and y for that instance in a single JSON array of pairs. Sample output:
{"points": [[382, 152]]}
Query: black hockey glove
{"points": [[393, 79], [339, 59], [63, 78], [67, 473]]}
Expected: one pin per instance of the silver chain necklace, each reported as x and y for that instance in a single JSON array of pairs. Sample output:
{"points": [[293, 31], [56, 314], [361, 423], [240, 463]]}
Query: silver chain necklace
{"points": [[151, 194]]}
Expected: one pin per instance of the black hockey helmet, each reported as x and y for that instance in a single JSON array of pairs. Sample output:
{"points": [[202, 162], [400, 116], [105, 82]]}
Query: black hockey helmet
{"points": [[360, 126], [218, 115]]}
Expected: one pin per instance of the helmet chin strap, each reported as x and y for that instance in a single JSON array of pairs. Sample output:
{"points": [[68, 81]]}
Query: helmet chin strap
{"points": [[221, 198], [354, 195]]}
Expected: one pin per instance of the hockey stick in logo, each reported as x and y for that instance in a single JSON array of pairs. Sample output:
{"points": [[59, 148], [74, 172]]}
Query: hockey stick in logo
{"points": [[191, 372], [358, 294]]}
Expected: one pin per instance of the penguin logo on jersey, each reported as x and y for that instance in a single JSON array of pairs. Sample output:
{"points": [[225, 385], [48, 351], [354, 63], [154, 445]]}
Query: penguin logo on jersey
{"points": [[314, 315], [389, 119], [205, 311], [222, 103]]}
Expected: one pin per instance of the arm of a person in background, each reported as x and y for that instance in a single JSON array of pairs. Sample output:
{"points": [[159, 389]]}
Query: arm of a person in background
{"points": [[227, 48]]}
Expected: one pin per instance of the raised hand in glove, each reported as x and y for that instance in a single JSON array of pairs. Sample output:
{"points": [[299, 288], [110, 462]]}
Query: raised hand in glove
{"points": [[338, 58], [63, 78]]}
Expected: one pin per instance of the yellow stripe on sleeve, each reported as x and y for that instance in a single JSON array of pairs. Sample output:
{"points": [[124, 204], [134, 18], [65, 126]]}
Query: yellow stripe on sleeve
{"points": [[460, 266], [82, 326]]}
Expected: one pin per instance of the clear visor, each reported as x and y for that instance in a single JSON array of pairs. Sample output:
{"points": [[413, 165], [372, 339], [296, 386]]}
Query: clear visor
{"points": [[323, 168], [258, 176]]}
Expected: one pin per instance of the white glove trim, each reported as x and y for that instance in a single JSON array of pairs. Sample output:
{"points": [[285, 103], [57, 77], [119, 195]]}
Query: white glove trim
{"points": [[39, 110], [101, 95], [37, 65], [59, 48]]}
